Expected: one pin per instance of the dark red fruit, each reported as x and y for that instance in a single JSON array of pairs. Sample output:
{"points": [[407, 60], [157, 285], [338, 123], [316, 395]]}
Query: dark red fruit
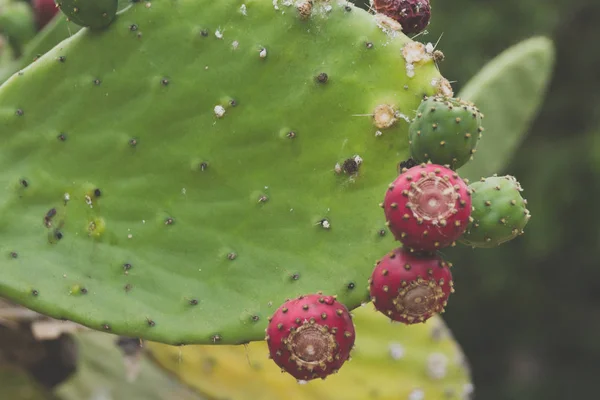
{"points": [[44, 11], [413, 15], [427, 207], [311, 336], [411, 287]]}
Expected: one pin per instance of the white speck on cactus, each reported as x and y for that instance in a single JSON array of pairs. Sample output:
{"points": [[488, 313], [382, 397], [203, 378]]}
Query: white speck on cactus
{"points": [[437, 364], [88, 201], [429, 48], [378, 133], [244, 9], [325, 224], [219, 34], [358, 159], [148, 4], [67, 197], [416, 394], [219, 111], [301, 382], [337, 168], [235, 44], [263, 53], [396, 351]]}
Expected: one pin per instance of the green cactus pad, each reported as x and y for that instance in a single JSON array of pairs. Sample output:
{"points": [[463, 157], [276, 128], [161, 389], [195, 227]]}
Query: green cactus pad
{"points": [[390, 361], [179, 175], [94, 14], [499, 212], [445, 131]]}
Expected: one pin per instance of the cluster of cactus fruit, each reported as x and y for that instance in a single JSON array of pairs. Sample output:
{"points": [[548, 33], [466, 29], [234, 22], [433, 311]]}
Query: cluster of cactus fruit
{"points": [[427, 207]]}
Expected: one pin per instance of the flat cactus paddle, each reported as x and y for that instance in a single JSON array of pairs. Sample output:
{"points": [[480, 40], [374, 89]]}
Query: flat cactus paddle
{"points": [[179, 174]]}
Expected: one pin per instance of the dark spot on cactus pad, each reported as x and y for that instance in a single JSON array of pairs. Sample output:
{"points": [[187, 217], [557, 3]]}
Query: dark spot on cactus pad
{"points": [[233, 103], [369, 45], [14, 254], [263, 199], [204, 32], [58, 234], [350, 166], [19, 112], [295, 277], [216, 338], [106, 327], [133, 142], [231, 256], [151, 323], [193, 302], [169, 221], [348, 8], [83, 290], [62, 59], [127, 266], [97, 192], [291, 135], [133, 27], [164, 82], [35, 292], [408, 164], [351, 285], [322, 77], [24, 183], [382, 232], [62, 137], [128, 287], [203, 166], [97, 82]]}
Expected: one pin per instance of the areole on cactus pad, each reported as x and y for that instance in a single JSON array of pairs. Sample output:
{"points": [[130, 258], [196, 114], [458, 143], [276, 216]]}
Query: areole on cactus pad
{"points": [[173, 177]]}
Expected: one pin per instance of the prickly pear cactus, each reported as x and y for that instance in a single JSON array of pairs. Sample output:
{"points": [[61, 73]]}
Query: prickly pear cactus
{"points": [[180, 174], [499, 212], [390, 361], [445, 131], [95, 14]]}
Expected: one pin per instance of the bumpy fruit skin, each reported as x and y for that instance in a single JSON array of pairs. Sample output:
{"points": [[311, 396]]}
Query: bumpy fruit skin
{"points": [[445, 131], [411, 287], [499, 212], [44, 11], [413, 15], [311, 336], [427, 207], [95, 14]]}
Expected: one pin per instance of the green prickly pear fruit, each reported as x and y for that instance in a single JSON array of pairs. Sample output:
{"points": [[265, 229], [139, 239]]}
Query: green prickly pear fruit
{"points": [[499, 212], [95, 14], [445, 131]]}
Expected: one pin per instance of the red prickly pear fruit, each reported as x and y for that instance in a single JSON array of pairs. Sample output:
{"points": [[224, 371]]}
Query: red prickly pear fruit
{"points": [[411, 287], [427, 207], [311, 336], [44, 11], [413, 15]]}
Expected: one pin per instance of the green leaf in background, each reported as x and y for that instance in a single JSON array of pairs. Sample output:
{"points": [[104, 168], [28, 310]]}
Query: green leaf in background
{"points": [[509, 91]]}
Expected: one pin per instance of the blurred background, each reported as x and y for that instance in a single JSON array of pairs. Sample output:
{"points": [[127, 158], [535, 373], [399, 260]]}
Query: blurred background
{"points": [[527, 314]]}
